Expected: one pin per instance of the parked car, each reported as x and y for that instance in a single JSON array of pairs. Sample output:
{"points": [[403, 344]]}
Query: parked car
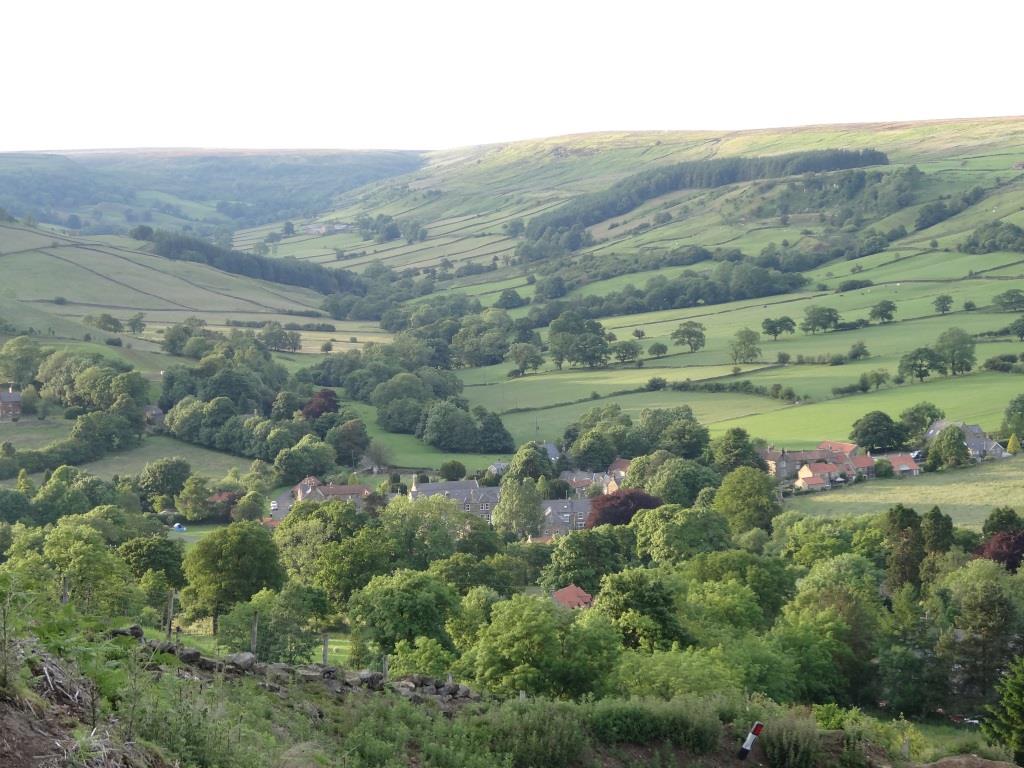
{"points": [[273, 506]]}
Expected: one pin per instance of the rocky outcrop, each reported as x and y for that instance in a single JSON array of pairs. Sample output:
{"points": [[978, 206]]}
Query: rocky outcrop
{"points": [[276, 677]]}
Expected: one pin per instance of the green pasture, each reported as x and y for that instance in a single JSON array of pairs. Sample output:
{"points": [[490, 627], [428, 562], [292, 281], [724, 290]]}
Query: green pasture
{"points": [[29, 432], [978, 398], [490, 387], [967, 494], [407, 452], [212, 464], [550, 423]]}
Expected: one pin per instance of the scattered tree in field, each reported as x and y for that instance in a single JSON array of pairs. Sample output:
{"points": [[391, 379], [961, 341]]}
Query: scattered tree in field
{"points": [[883, 311], [525, 356], [777, 326], [690, 334], [627, 350], [1017, 328], [1010, 301], [943, 303], [819, 319], [877, 378], [327, 347], [744, 346], [136, 323], [920, 363], [1013, 445], [639, 333], [876, 431], [657, 350], [956, 349]]}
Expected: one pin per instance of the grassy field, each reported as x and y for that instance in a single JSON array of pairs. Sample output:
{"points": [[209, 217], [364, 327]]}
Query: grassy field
{"points": [[203, 461], [968, 494], [30, 432]]}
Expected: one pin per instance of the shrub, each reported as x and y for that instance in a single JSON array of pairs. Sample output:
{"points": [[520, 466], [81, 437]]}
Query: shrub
{"points": [[536, 733], [684, 722], [791, 742]]}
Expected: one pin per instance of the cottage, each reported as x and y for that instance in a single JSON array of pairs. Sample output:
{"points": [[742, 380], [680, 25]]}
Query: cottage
{"points": [[572, 597], [561, 516], [10, 405], [979, 444], [474, 498], [312, 489]]}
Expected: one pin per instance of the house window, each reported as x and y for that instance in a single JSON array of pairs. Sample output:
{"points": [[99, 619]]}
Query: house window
{"points": [[484, 506], [466, 506]]}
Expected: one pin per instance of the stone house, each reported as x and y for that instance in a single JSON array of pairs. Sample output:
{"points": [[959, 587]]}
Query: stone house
{"points": [[562, 516], [312, 489], [10, 405], [472, 497], [979, 444]]}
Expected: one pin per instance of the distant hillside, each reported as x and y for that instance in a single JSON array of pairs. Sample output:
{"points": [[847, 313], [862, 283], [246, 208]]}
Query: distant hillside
{"points": [[199, 190]]}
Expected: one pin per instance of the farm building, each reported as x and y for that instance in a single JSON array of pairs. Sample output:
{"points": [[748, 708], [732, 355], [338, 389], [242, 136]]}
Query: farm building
{"points": [[903, 464]]}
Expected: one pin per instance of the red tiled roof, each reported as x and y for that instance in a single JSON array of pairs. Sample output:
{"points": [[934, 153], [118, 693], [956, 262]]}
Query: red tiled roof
{"points": [[835, 445], [821, 469], [271, 522], [619, 465], [902, 462], [813, 480], [572, 597], [863, 461]]}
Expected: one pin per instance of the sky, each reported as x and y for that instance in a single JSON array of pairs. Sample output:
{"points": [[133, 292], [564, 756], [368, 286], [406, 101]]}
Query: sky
{"points": [[434, 75]]}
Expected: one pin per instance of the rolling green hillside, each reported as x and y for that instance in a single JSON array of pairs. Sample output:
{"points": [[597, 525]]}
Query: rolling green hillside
{"points": [[818, 230]]}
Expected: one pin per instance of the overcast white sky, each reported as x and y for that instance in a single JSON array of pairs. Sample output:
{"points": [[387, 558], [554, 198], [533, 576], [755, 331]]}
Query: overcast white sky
{"points": [[419, 75]]}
